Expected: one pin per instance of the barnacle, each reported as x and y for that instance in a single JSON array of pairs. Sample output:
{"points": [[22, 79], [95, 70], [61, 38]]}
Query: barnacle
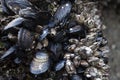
{"points": [[66, 43]]}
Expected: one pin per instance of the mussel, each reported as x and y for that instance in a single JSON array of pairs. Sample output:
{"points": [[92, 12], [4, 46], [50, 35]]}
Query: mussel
{"points": [[25, 39], [77, 30], [60, 65], [68, 45], [5, 8], [76, 77], [29, 15], [40, 63], [9, 52], [16, 5], [62, 12]]}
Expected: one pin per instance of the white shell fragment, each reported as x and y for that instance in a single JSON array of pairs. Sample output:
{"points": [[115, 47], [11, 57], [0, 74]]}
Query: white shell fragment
{"points": [[91, 72]]}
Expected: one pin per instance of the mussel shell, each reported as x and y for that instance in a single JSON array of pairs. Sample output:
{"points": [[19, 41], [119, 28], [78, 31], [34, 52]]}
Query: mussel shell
{"points": [[44, 34], [16, 5], [41, 17], [9, 52], [64, 1], [76, 77], [40, 63], [14, 24], [60, 37], [5, 8], [60, 65], [61, 13], [56, 49], [25, 38], [76, 31], [28, 13], [103, 41]]}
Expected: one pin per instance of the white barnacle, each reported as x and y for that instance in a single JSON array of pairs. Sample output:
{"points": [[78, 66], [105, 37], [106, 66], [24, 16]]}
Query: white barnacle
{"points": [[88, 50]]}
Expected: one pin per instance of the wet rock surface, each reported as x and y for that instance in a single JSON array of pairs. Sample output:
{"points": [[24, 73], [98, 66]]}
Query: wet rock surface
{"points": [[112, 32]]}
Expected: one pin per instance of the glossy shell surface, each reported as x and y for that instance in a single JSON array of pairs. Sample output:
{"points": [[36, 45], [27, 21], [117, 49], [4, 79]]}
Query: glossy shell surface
{"points": [[25, 38], [40, 63]]}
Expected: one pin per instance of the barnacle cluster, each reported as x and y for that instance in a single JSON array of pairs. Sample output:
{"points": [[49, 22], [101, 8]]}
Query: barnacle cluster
{"points": [[69, 47], [92, 49]]}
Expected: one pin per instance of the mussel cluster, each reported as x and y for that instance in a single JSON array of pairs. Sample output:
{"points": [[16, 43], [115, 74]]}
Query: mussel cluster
{"points": [[60, 41]]}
